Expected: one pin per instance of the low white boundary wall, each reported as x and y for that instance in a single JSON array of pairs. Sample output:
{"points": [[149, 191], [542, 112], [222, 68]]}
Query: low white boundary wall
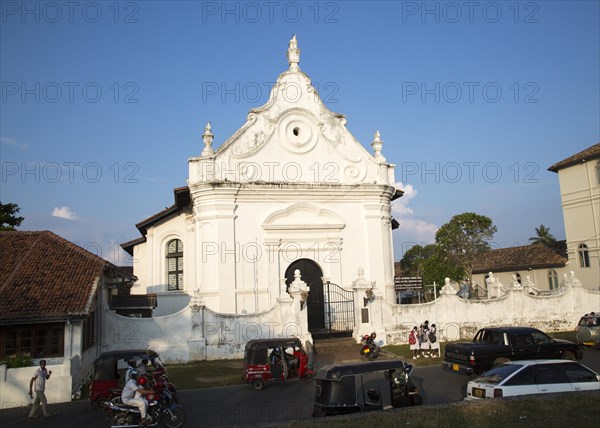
{"points": [[459, 319], [198, 333]]}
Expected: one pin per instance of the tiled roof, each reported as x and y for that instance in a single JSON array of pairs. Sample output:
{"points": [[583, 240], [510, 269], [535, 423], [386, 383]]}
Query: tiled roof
{"points": [[583, 156], [534, 256], [45, 277]]}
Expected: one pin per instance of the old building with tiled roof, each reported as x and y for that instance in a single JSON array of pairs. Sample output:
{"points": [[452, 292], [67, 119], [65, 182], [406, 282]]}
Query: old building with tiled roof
{"points": [[52, 294], [544, 265], [579, 178]]}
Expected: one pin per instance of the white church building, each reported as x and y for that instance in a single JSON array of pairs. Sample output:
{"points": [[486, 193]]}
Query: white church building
{"points": [[291, 190]]}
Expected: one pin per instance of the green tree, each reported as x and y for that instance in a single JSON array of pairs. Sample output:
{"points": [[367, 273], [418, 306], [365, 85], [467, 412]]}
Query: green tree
{"points": [[8, 216], [429, 263], [543, 236], [437, 268], [463, 238], [413, 262]]}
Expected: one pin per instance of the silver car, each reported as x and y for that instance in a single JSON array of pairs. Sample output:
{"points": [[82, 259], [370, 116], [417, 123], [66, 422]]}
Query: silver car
{"points": [[588, 329], [533, 377]]}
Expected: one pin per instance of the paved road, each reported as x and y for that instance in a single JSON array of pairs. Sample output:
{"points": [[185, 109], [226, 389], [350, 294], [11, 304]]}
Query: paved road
{"points": [[238, 405]]}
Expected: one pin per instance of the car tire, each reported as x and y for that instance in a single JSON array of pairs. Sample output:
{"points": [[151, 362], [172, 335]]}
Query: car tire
{"points": [[568, 356]]}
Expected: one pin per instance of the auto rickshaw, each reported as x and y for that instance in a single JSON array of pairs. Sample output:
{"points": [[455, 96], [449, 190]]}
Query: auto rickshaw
{"points": [[274, 360], [110, 368], [361, 387]]}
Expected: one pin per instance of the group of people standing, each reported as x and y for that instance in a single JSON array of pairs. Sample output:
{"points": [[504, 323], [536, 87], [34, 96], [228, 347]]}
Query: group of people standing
{"points": [[423, 341]]}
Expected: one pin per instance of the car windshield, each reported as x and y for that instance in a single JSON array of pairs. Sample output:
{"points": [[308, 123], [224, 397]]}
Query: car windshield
{"points": [[498, 374]]}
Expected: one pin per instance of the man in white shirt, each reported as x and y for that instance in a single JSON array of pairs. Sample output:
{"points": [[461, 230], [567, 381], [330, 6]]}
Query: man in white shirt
{"points": [[132, 395]]}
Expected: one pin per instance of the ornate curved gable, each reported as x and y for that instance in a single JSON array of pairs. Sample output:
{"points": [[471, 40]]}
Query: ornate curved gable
{"points": [[294, 137]]}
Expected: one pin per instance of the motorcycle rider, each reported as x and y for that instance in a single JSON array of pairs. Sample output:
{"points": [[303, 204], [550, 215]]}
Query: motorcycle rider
{"points": [[369, 340], [133, 395]]}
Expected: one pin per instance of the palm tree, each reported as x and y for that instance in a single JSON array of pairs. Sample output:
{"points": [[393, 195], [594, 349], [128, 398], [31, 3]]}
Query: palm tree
{"points": [[543, 236]]}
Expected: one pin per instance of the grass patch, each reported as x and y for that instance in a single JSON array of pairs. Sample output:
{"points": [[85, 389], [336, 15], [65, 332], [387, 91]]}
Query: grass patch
{"points": [[404, 353], [556, 410], [205, 374]]}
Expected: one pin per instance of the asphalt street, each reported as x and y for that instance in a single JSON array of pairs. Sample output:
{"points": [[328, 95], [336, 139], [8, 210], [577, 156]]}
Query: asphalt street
{"points": [[240, 406]]}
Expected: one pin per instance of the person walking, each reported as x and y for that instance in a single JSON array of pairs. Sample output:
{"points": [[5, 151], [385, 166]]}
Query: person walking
{"points": [[40, 376], [413, 341], [425, 346], [434, 341]]}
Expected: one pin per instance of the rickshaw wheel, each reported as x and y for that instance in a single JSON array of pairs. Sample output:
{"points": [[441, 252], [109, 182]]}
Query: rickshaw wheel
{"points": [[101, 404], [257, 384]]}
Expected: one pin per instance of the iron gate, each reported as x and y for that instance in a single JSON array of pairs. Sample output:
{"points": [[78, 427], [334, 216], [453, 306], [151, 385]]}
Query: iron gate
{"points": [[330, 310]]}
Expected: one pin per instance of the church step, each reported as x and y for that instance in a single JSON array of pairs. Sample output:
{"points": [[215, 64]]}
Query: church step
{"points": [[335, 345]]}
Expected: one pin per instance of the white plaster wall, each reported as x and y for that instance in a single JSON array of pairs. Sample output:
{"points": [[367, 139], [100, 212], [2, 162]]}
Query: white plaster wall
{"points": [[457, 318], [167, 335], [14, 385]]}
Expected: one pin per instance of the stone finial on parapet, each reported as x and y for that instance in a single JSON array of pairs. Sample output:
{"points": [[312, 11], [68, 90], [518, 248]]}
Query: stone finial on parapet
{"points": [[293, 54], [572, 280], [207, 139], [197, 301], [297, 285], [377, 144], [448, 288], [516, 285]]}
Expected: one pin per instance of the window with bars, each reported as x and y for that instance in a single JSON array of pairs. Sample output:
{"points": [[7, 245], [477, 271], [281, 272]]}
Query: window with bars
{"points": [[175, 265], [584, 256], [38, 341]]}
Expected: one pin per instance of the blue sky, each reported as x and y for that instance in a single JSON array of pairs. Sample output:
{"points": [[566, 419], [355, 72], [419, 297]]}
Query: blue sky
{"points": [[103, 102]]}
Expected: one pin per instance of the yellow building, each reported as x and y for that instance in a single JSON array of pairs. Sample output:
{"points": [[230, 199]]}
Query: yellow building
{"points": [[579, 177]]}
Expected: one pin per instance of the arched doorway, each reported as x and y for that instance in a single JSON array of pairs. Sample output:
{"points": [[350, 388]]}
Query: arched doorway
{"points": [[311, 274], [330, 308]]}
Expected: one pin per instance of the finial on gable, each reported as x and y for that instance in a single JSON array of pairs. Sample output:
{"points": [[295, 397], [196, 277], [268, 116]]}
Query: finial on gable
{"points": [[207, 138], [377, 144], [293, 54]]}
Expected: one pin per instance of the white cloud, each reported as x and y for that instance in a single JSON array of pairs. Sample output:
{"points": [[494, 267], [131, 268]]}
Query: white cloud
{"points": [[65, 212], [12, 142], [411, 230], [400, 206]]}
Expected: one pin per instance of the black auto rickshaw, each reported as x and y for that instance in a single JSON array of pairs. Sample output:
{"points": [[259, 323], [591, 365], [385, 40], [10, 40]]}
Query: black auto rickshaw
{"points": [[272, 360], [361, 387], [110, 368]]}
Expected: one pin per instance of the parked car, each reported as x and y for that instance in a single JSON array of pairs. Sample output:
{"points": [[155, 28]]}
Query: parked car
{"points": [[361, 387], [496, 345], [588, 329], [533, 377]]}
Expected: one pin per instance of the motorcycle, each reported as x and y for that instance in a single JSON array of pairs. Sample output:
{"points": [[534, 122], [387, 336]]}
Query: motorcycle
{"points": [[161, 408], [369, 349]]}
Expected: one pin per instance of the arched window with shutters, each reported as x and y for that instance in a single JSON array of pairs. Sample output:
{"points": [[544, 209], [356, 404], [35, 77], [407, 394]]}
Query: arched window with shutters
{"points": [[584, 256], [175, 264], [597, 168], [552, 279]]}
